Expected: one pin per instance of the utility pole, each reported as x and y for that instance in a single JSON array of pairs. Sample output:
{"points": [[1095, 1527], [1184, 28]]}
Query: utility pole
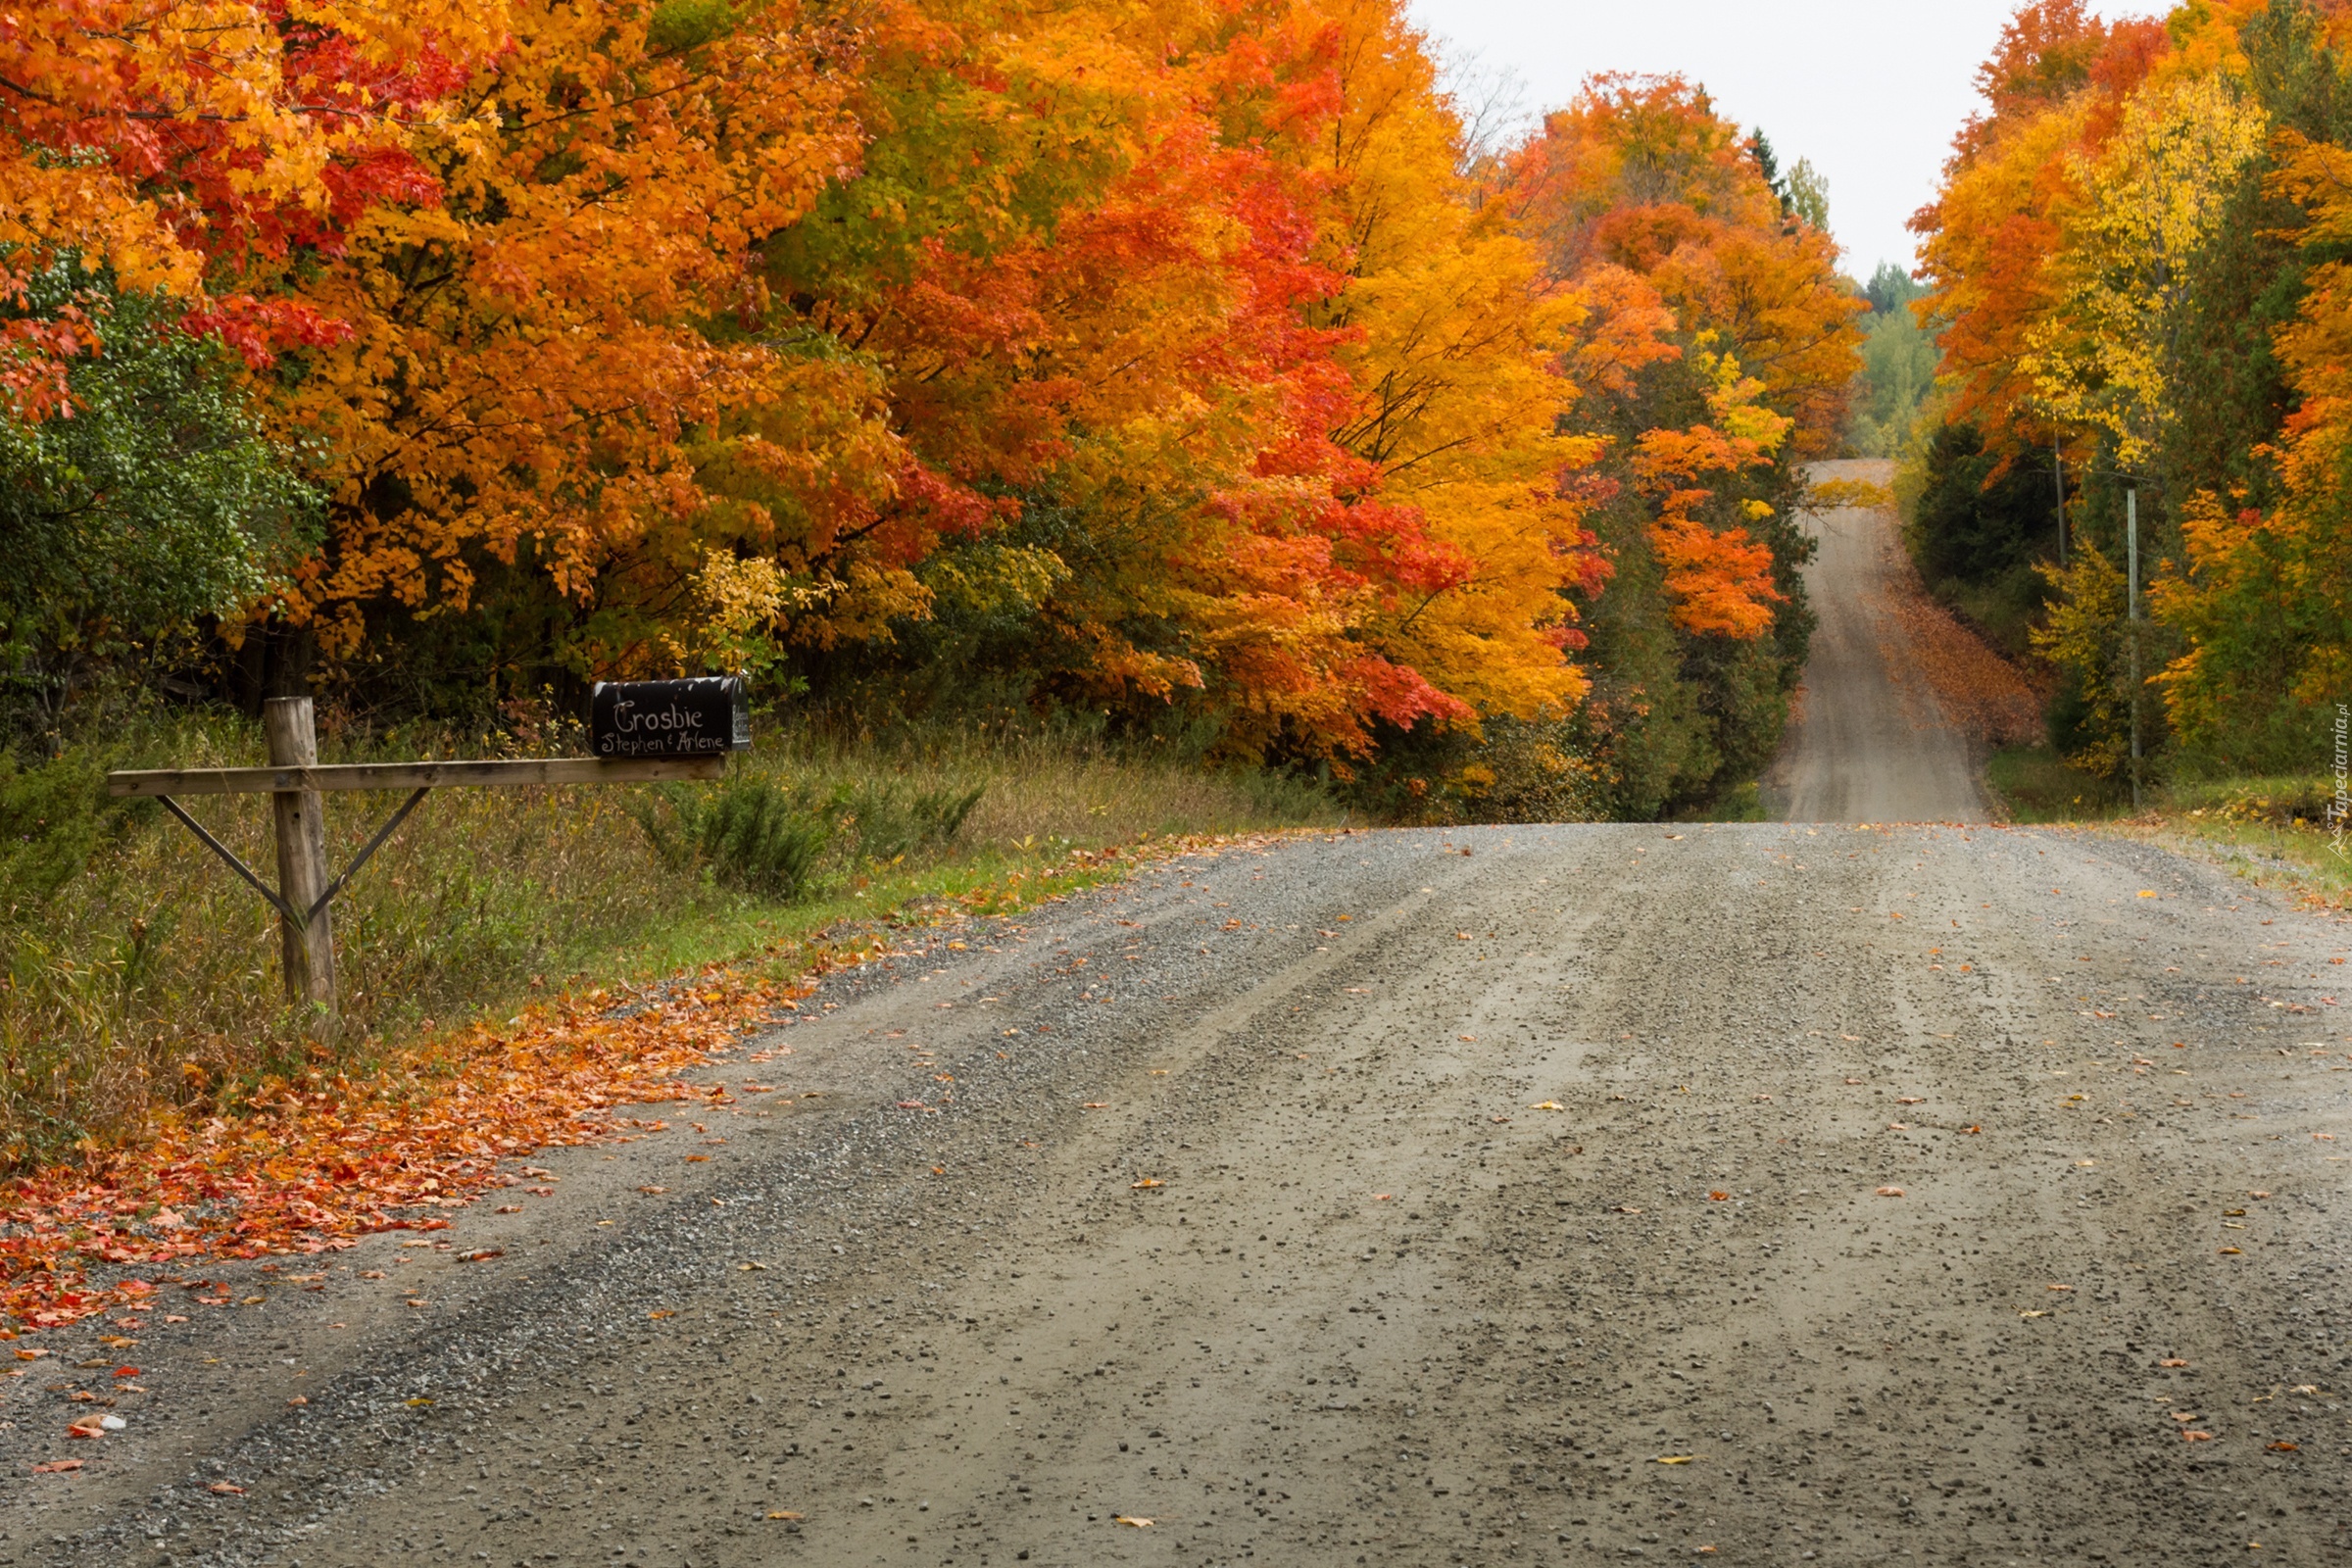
{"points": [[2132, 622], [2058, 473]]}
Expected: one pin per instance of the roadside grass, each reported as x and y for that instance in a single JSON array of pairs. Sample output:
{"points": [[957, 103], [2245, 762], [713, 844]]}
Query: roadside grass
{"points": [[2275, 832], [139, 982]]}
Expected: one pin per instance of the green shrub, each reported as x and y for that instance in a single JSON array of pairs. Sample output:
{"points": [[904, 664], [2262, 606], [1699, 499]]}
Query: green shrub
{"points": [[750, 832], [893, 820]]}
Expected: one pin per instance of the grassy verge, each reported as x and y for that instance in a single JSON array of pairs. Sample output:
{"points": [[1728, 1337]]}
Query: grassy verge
{"points": [[140, 984], [2275, 832]]}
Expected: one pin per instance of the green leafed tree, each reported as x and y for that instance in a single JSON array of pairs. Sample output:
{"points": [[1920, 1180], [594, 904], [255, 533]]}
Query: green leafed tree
{"points": [[153, 499]]}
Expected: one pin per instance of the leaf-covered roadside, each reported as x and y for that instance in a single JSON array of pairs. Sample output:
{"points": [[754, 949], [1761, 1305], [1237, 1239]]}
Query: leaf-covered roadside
{"points": [[313, 1166]]}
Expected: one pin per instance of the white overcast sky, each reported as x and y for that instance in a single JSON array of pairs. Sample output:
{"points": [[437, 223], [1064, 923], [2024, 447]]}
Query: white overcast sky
{"points": [[1872, 92]]}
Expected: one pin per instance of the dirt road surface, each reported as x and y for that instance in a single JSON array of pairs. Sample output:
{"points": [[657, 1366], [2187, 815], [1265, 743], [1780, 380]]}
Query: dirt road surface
{"points": [[1763, 1194], [1867, 741], [1499, 1197]]}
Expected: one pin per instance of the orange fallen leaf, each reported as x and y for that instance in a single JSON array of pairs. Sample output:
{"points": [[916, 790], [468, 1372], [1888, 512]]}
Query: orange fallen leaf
{"points": [[226, 1488], [2232, 1252], [57, 1467], [1676, 1459], [653, 1189], [481, 1254], [1898, 1127], [1096, 1105], [1972, 1127], [1549, 1105], [299, 1400], [1890, 1192], [2196, 1437], [1148, 1181], [1381, 1197], [1125, 1519], [698, 1159], [2283, 1447], [2172, 1361], [2057, 1286], [784, 1513], [1912, 1099], [1719, 1197]]}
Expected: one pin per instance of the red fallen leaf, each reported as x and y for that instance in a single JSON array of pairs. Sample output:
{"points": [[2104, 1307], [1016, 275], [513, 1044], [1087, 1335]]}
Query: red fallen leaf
{"points": [[698, 1159], [86, 1427], [2283, 1447], [126, 1371], [1719, 1197], [226, 1488], [57, 1467]]}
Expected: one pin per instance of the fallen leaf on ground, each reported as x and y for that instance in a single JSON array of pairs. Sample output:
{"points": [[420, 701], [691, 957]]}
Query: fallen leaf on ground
{"points": [[784, 1513], [226, 1488], [2041, 1311], [653, 1189], [1890, 1192], [1972, 1128], [2057, 1286], [1549, 1105], [2196, 1437], [1719, 1197], [481, 1254], [2172, 1361], [1898, 1127], [2184, 1416], [1912, 1099], [1096, 1105], [57, 1467], [1125, 1519], [2233, 1251], [299, 1400], [2283, 1447], [1625, 1209], [1676, 1459], [1148, 1181]]}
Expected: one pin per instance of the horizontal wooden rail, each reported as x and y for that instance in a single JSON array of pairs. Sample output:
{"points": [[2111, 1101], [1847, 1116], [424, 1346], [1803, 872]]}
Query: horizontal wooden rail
{"points": [[411, 775]]}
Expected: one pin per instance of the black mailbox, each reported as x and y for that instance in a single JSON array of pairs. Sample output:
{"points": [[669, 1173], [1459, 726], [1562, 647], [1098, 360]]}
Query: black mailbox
{"points": [[697, 717]]}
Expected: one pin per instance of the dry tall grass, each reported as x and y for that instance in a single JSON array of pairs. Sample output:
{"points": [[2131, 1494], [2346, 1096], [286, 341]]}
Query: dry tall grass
{"points": [[148, 984]]}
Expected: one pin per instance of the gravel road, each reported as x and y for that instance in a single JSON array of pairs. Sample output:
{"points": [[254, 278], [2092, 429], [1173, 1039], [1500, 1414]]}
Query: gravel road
{"points": [[1867, 741], [1499, 1197]]}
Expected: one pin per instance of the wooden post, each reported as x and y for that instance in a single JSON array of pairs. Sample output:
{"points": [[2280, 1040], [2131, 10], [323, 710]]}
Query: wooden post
{"points": [[307, 940]]}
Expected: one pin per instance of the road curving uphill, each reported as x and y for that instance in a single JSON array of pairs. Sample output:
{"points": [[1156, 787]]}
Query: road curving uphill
{"points": [[1868, 740], [1513, 1196]]}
